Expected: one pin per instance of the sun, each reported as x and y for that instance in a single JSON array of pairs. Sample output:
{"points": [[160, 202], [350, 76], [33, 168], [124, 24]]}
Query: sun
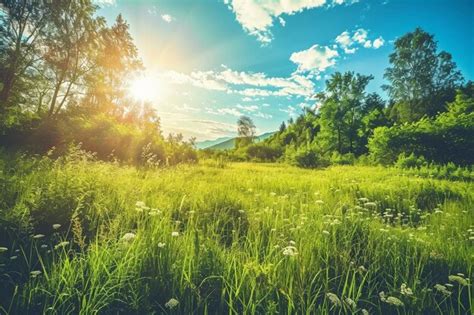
{"points": [[143, 88]]}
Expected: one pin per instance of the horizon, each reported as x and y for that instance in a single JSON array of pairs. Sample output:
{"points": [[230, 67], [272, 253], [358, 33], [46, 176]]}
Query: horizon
{"points": [[266, 60]]}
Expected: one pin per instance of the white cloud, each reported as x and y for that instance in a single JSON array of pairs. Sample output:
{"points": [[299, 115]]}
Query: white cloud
{"points": [[104, 3], [282, 21], [167, 18], [314, 59], [359, 37], [248, 108], [248, 84], [379, 42], [256, 16]]}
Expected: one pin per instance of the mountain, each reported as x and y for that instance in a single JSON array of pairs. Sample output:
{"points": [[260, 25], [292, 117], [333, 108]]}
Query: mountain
{"points": [[230, 143], [209, 143]]}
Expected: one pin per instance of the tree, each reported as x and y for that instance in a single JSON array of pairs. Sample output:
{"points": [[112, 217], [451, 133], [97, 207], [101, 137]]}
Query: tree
{"points": [[245, 131], [22, 26], [421, 79], [341, 111]]}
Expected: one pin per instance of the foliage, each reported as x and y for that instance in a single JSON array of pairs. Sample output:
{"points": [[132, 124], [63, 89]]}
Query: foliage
{"points": [[421, 79]]}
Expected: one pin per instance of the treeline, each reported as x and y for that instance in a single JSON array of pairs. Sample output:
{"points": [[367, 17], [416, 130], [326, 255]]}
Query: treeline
{"points": [[429, 115], [64, 78]]}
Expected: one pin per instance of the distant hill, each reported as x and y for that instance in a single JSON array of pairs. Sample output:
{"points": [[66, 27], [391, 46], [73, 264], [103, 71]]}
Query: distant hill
{"points": [[230, 143], [209, 143]]}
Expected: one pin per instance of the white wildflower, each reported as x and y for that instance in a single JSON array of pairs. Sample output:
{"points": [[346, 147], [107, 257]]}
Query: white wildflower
{"points": [[174, 234], [56, 226], [290, 251], [172, 303], [38, 236], [442, 289], [61, 245], [326, 232], [334, 299], [3, 249], [35, 273], [128, 237], [351, 303], [460, 280], [404, 290], [319, 202], [161, 245]]}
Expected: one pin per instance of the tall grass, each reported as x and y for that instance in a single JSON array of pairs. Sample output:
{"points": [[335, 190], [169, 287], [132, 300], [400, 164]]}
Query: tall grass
{"points": [[244, 238]]}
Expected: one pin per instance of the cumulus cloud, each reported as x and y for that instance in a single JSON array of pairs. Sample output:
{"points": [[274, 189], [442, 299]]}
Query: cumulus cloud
{"points": [[379, 42], [314, 59], [257, 16], [359, 37]]}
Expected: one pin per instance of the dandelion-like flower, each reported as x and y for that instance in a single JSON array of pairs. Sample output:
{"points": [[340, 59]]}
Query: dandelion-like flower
{"points": [[56, 226], [334, 299], [174, 234], [172, 303], [290, 251], [128, 237]]}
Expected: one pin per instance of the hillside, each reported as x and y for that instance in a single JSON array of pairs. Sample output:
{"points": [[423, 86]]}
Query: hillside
{"points": [[230, 143], [209, 143]]}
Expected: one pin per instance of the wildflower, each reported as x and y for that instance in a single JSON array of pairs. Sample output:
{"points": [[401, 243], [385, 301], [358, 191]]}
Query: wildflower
{"points": [[35, 273], [273, 194], [319, 202], [292, 243], [394, 301], [273, 230], [334, 299], [326, 232], [161, 245], [362, 269], [290, 251], [365, 312], [404, 290], [140, 204], [172, 303], [44, 246], [3, 249], [460, 280], [56, 226], [174, 234], [241, 211], [38, 236], [364, 200], [370, 205], [442, 289], [128, 237], [61, 245], [352, 304]]}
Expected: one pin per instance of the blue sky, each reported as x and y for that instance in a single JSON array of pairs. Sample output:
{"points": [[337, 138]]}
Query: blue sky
{"points": [[210, 61]]}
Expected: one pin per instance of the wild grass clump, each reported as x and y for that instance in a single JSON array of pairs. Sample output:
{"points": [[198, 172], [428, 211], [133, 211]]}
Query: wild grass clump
{"points": [[82, 236]]}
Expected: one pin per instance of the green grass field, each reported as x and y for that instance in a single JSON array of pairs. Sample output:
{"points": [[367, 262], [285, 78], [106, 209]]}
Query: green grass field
{"points": [[78, 236]]}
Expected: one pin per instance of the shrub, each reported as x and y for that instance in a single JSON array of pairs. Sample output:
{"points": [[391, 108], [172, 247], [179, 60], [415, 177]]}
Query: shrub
{"points": [[264, 152], [305, 157], [410, 161]]}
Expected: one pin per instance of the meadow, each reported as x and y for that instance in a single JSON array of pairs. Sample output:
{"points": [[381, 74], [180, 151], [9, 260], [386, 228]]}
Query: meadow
{"points": [[80, 236]]}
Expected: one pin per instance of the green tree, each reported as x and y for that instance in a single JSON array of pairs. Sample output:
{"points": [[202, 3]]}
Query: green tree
{"points": [[245, 131], [421, 79], [341, 112]]}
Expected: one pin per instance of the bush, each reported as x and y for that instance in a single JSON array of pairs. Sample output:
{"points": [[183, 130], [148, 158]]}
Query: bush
{"points": [[264, 152], [305, 157], [342, 159], [410, 161]]}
